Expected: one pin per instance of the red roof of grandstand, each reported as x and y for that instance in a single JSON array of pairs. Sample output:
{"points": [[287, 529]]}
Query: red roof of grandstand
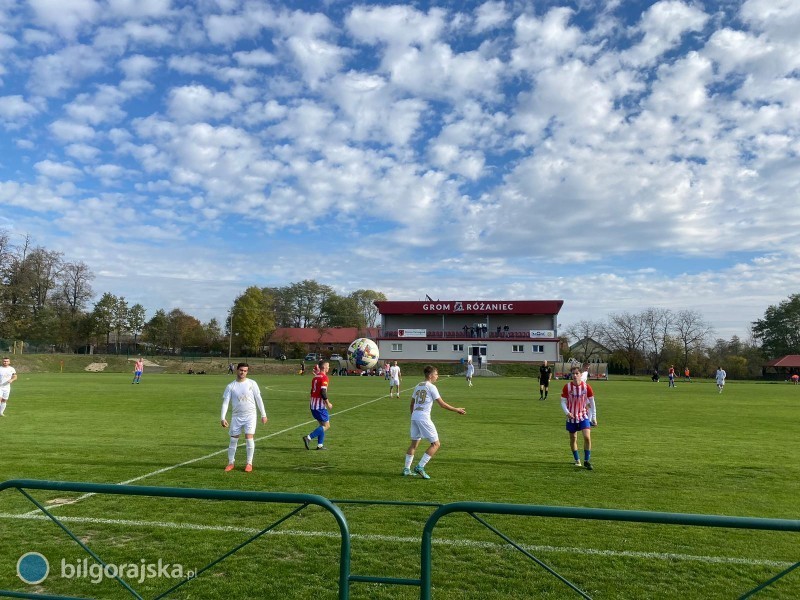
{"points": [[327, 335], [788, 361], [475, 307]]}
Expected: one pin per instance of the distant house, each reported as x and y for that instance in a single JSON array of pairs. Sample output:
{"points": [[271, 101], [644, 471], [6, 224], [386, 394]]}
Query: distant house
{"points": [[782, 368], [324, 340], [590, 350]]}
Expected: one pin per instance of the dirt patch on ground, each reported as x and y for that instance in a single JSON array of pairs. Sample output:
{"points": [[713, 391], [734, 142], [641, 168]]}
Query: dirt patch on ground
{"points": [[96, 367], [146, 363]]}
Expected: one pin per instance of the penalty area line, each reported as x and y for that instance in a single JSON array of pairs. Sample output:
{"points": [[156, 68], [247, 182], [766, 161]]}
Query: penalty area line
{"points": [[460, 543]]}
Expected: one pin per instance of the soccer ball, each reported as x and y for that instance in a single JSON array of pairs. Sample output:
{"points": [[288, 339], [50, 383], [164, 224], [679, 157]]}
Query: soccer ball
{"points": [[363, 353]]}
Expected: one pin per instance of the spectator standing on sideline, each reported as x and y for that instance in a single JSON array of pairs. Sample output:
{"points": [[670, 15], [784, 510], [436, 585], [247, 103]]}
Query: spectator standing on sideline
{"points": [[577, 402], [245, 397], [138, 368], [720, 376], [422, 399], [8, 375], [545, 374], [686, 375], [320, 405]]}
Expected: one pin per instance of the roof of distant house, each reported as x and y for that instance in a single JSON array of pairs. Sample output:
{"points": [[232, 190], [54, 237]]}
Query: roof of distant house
{"points": [[326, 335], [788, 361]]}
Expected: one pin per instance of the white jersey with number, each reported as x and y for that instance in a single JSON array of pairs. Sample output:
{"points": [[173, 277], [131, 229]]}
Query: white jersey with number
{"points": [[245, 398], [424, 395], [721, 375], [6, 373]]}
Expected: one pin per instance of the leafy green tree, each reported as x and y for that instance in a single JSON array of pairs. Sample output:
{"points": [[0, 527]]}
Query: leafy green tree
{"points": [[779, 330], [182, 330], [367, 311], [252, 318], [103, 315], [156, 330], [211, 334], [136, 321], [341, 311], [120, 320]]}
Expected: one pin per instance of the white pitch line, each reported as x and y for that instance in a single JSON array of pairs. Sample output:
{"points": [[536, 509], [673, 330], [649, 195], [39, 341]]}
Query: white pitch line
{"points": [[662, 556], [207, 456]]}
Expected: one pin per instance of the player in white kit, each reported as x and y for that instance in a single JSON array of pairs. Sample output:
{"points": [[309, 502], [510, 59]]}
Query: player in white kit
{"points": [[8, 375], [245, 397], [394, 379], [425, 394]]}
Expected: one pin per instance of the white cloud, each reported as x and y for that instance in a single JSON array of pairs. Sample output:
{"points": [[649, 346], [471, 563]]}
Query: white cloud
{"points": [[59, 171], [67, 17], [138, 9], [6, 41], [199, 103], [397, 25], [490, 15], [255, 58], [82, 152], [663, 25], [138, 66], [53, 74], [14, 110], [69, 131], [544, 43]]}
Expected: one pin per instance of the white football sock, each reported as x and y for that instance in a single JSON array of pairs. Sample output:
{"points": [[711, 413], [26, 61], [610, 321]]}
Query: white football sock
{"points": [[250, 446], [232, 450]]}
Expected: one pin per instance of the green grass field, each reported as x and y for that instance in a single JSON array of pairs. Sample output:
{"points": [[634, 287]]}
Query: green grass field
{"points": [[687, 450]]}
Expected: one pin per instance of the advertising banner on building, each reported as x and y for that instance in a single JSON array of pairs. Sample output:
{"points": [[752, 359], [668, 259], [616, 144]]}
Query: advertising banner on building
{"points": [[542, 333], [409, 333]]}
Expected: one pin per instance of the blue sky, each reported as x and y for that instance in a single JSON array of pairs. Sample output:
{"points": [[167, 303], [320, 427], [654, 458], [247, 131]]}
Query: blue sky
{"points": [[615, 155]]}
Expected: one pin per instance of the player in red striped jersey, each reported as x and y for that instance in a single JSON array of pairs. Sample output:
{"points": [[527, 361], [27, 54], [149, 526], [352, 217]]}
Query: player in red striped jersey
{"points": [[319, 405], [577, 402]]}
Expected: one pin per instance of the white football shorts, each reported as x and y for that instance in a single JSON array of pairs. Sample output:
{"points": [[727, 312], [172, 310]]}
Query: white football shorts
{"points": [[244, 424], [5, 391], [394, 382], [424, 429]]}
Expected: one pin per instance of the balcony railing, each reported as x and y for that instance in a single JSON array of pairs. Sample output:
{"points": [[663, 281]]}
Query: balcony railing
{"points": [[459, 334]]}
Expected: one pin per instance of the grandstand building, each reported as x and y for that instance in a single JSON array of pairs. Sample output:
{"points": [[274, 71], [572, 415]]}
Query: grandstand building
{"points": [[485, 331]]}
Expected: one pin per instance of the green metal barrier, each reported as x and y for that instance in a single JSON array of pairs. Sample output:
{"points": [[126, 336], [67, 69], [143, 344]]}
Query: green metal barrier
{"points": [[601, 514], [424, 582], [199, 494]]}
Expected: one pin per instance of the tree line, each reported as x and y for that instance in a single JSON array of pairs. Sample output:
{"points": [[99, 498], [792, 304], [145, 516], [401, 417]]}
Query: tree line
{"points": [[657, 338], [45, 299]]}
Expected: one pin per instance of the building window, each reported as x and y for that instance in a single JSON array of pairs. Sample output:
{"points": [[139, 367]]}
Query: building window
{"points": [[538, 348], [517, 348], [458, 347], [397, 347], [433, 347]]}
